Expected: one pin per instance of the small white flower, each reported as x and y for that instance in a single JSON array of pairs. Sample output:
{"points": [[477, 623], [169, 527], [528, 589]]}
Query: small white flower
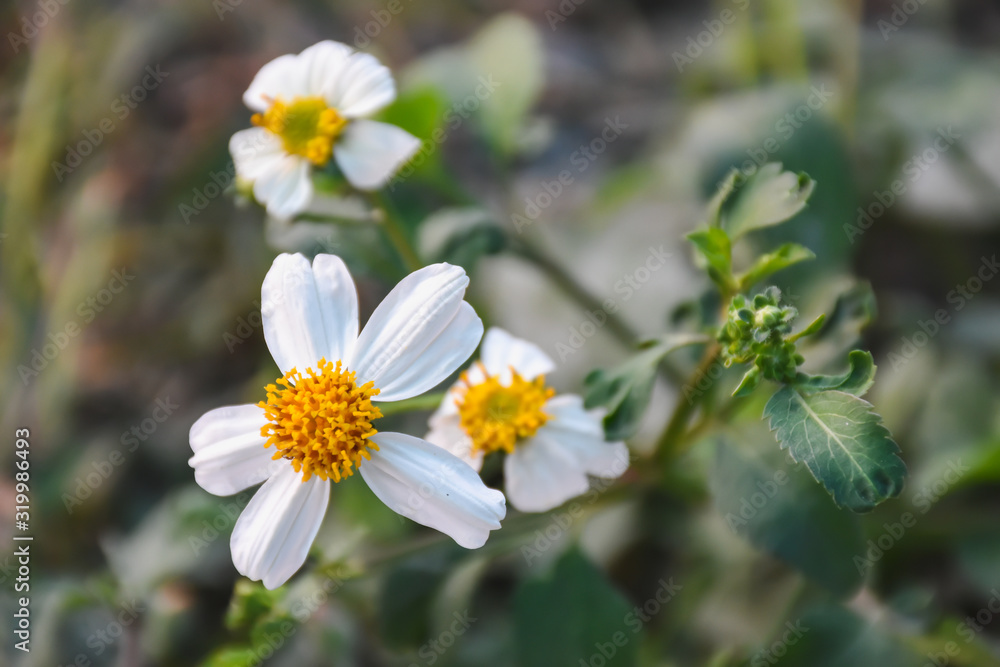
{"points": [[312, 107], [502, 404], [316, 424]]}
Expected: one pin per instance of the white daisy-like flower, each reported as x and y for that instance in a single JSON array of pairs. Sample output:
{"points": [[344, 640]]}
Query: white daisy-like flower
{"points": [[311, 108], [317, 424], [552, 443]]}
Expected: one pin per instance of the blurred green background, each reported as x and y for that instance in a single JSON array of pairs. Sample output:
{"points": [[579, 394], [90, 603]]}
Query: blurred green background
{"points": [[130, 270]]}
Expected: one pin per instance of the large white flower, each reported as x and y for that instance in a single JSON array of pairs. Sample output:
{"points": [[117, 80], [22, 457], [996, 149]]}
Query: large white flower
{"points": [[316, 425], [312, 107], [503, 404]]}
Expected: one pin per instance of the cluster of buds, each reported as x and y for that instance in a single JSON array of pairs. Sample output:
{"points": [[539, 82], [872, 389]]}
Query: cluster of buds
{"points": [[758, 331]]}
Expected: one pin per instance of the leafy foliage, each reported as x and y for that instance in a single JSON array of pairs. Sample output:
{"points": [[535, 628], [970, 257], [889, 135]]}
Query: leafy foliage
{"points": [[842, 442], [563, 619]]}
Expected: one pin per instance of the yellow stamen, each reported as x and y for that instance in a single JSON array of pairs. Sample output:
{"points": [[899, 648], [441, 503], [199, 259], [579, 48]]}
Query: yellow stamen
{"points": [[321, 422], [496, 416], [307, 127]]}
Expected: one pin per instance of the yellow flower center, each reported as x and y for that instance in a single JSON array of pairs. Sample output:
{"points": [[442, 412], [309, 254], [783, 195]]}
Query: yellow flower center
{"points": [[307, 127], [321, 422], [496, 416]]}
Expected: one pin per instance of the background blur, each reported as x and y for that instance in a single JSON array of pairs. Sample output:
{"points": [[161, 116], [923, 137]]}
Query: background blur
{"points": [[130, 274]]}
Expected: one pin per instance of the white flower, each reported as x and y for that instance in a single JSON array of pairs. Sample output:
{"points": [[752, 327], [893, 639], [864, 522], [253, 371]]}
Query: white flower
{"points": [[316, 424], [552, 443], [311, 107]]}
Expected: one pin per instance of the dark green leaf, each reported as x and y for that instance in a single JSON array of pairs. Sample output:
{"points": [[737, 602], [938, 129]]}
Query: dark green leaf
{"points": [[714, 254], [564, 619], [771, 196], [772, 262], [857, 380], [625, 391], [842, 442], [725, 189], [783, 513]]}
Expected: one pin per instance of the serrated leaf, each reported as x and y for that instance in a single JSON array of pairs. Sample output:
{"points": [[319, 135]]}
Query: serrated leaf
{"points": [[558, 619], [842, 442], [714, 254], [770, 197], [856, 381], [625, 391], [766, 265]]}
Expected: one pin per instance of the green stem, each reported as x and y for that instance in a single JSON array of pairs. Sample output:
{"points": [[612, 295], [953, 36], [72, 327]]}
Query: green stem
{"points": [[422, 402], [672, 442], [568, 284], [393, 227]]}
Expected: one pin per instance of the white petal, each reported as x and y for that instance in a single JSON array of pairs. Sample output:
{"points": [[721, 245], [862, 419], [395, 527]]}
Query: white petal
{"points": [[322, 65], [256, 152], [447, 432], [229, 451], [287, 189], [540, 475], [272, 537], [430, 486], [501, 351], [361, 87], [419, 335], [579, 432], [369, 152], [308, 312], [283, 77]]}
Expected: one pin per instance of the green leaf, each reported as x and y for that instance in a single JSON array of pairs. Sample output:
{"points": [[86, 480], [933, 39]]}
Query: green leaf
{"points": [[782, 512], [714, 255], [772, 262], [625, 391], [770, 197], [813, 327], [459, 236], [856, 381], [560, 620], [842, 442], [725, 189]]}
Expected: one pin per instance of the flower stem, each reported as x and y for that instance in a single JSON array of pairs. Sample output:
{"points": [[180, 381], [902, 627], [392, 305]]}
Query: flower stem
{"points": [[391, 223], [422, 402], [673, 441]]}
